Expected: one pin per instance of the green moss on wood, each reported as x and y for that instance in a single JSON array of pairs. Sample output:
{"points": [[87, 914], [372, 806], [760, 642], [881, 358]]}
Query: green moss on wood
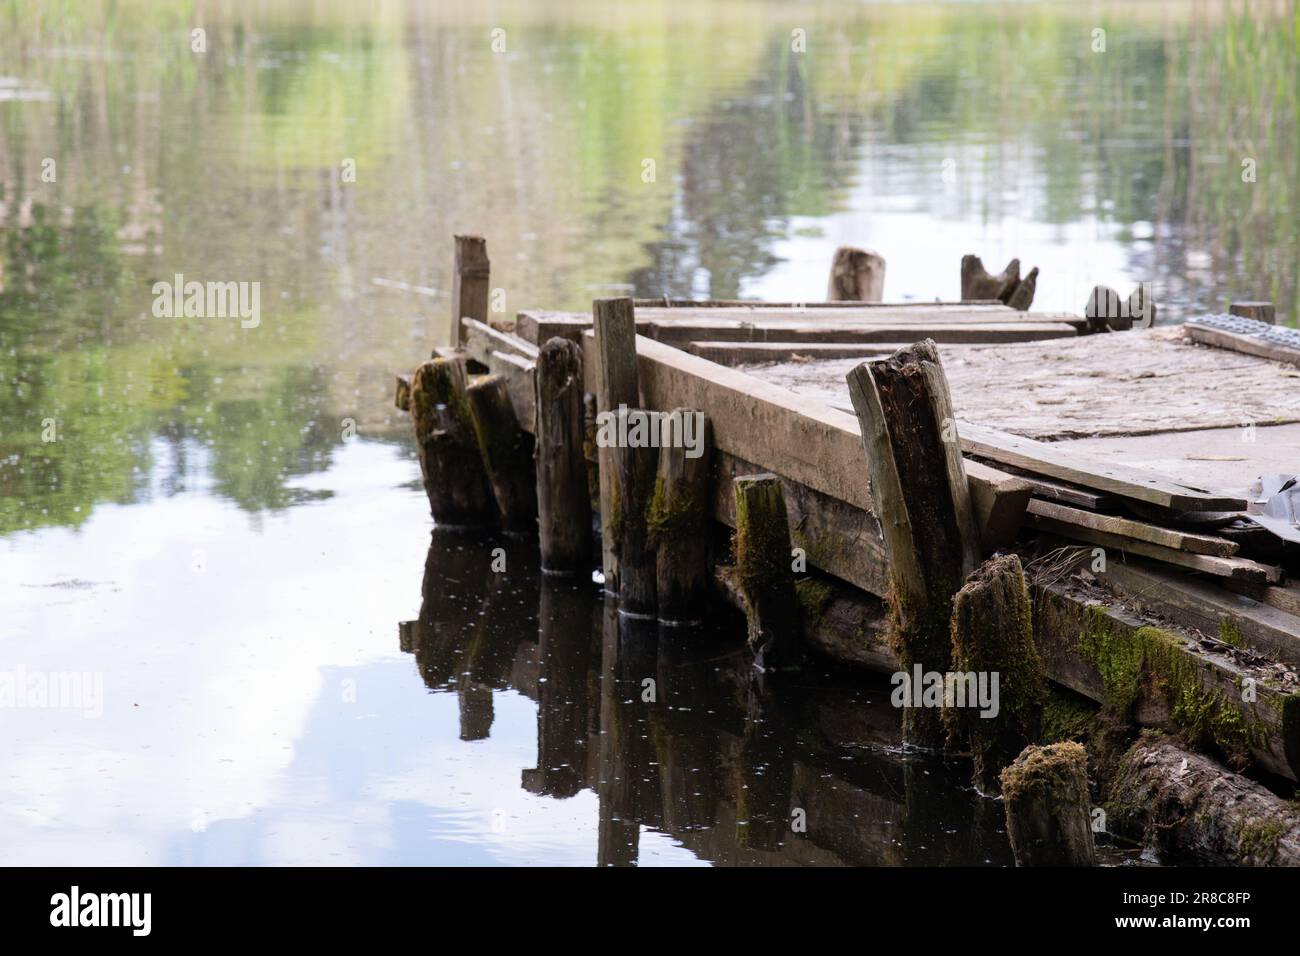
{"points": [[1067, 716], [674, 518], [813, 596], [1259, 838], [1230, 632]]}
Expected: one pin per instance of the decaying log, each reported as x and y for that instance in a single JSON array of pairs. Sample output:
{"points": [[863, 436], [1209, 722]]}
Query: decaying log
{"points": [[1185, 805], [1046, 798], [763, 568], [678, 518], [923, 501], [857, 275], [563, 505], [450, 462], [993, 633], [506, 451]]}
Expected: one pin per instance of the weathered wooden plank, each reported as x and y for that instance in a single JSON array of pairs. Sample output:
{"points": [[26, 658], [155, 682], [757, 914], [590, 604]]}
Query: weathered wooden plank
{"points": [[518, 373], [479, 339], [745, 353], [1055, 461], [1139, 530], [1232, 618], [1242, 570], [667, 303], [469, 283], [1246, 344]]}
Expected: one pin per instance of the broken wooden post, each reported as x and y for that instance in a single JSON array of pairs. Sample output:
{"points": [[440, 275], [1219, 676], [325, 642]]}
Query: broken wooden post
{"points": [[918, 483], [470, 277], [763, 568], [563, 508], [679, 516], [1022, 297], [614, 327], [1107, 312], [506, 450], [450, 463], [857, 275], [635, 460], [1046, 796], [977, 285], [1259, 311], [993, 643]]}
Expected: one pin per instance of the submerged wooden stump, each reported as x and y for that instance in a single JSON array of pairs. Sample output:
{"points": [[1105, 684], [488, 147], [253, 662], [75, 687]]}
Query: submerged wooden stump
{"points": [[507, 452], [678, 521], [563, 506], [918, 483], [763, 570], [857, 275], [993, 634], [1046, 799], [450, 463], [634, 470]]}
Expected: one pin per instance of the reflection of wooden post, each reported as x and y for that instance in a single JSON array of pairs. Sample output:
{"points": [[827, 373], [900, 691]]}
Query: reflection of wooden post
{"points": [[678, 517], [857, 275], [1259, 311], [449, 456], [469, 284], [614, 325], [763, 567], [634, 471], [506, 450], [563, 507], [766, 773], [1046, 798], [918, 484]]}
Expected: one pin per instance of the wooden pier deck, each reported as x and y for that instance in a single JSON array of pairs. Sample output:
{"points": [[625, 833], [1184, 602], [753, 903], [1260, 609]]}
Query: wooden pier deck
{"points": [[1123, 468]]}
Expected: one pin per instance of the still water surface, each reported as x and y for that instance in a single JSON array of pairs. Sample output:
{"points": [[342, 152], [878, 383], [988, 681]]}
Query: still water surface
{"points": [[223, 526]]}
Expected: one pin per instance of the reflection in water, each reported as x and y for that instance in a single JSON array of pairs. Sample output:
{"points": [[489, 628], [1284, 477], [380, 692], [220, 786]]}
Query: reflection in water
{"points": [[675, 732]]}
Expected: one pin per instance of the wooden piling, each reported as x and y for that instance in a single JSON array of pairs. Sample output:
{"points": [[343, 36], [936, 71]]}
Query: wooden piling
{"points": [[978, 285], [470, 277], [563, 507], [634, 473], [923, 502], [993, 633], [763, 568], [614, 328], [678, 520], [450, 462], [1259, 311], [1022, 297], [857, 275], [506, 451], [1045, 792]]}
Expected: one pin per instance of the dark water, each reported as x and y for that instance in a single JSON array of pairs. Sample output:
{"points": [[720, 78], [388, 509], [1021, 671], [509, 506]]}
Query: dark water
{"points": [[221, 527]]}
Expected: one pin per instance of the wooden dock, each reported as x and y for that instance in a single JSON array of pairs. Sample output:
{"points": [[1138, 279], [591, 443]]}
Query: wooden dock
{"points": [[1123, 469]]}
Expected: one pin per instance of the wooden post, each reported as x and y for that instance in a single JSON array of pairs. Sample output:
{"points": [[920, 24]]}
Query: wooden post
{"points": [[1260, 311], [1046, 797], [470, 277], [922, 500], [563, 508], [678, 519], [449, 457], [614, 326], [507, 452], [1022, 297], [978, 285], [634, 473], [857, 275], [993, 634], [763, 568]]}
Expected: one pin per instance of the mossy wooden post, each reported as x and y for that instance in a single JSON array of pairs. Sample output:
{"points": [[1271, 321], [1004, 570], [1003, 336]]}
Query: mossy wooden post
{"points": [[507, 452], [857, 275], [763, 568], [470, 277], [923, 503], [993, 634], [635, 462], [563, 507], [450, 462], [678, 518], [1045, 793], [614, 327]]}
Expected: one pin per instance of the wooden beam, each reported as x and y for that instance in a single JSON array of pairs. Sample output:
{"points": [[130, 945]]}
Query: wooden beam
{"points": [[745, 353], [1138, 530], [470, 277], [923, 503], [1054, 460], [1246, 344]]}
